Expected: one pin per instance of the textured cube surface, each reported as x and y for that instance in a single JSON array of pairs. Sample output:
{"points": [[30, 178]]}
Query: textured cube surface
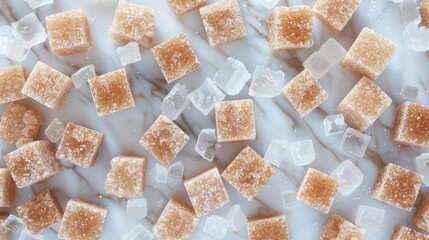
{"points": [[12, 80], [369, 54], [403, 233], [80, 145], [421, 217], [206, 191], [424, 11], [340, 229], [4, 233], [7, 189], [183, 6], [111, 92], [248, 173], [273, 227], [335, 14], [363, 104]]}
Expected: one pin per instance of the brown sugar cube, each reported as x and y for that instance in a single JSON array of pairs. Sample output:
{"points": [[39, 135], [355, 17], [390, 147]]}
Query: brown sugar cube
{"points": [[273, 227], [340, 229], [421, 217], [183, 6], [12, 80], [248, 173], [424, 11], [403, 233], [4, 232], [335, 14], [41, 212], [7, 188], [206, 192], [69, 33], [111, 92], [47, 86], [411, 125], [164, 140], [223, 22], [235, 121], [318, 190], [19, 124], [32, 163], [291, 28], [397, 186], [82, 220], [80, 145], [126, 177], [363, 104], [369, 54], [304, 93], [176, 58], [133, 23]]}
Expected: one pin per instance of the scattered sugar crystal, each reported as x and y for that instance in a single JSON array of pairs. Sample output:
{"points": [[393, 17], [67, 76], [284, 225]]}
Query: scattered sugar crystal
{"points": [[350, 177], [317, 64], [339, 228], [34, 4], [159, 173], [137, 208], [206, 97], [17, 50], [354, 142], [5, 234], [5, 38], [55, 130], [409, 92], [27, 235], [422, 166], [236, 218], [7, 188], [424, 11], [13, 223], [138, 232], [421, 217], [231, 76], [270, 3], [332, 51], [273, 227], [183, 6], [207, 144], [401, 232], [334, 124], [175, 102], [83, 75], [276, 153], [416, 38], [217, 227], [12, 80], [129, 53], [266, 82], [369, 217], [335, 14], [29, 30], [175, 172], [410, 12], [288, 199], [302, 152]]}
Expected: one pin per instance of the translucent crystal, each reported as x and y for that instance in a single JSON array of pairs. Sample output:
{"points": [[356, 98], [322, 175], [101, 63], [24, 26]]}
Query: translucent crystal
{"points": [[236, 218], [410, 12], [266, 82], [231, 76], [137, 208], [160, 203], [206, 97], [396, 1], [207, 144], [5, 37], [354, 142], [416, 38], [216, 226], [269, 3], [175, 172], [13, 223], [29, 30], [334, 124], [369, 217], [138, 232], [129, 53], [409, 92], [317, 64], [83, 75], [350, 177], [17, 50], [332, 51], [26, 235], [276, 152], [422, 166], [175, 102], [159, 173], [302, 152], [288, 199], [55, 130], [38, 3]]}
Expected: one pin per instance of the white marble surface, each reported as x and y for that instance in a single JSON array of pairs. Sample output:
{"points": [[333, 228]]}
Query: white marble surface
{"points": [[274, 117]]}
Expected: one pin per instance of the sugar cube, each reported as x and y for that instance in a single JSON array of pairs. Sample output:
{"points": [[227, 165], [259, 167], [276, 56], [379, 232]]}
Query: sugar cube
{"points": [[369, 217], [80, 145], [317, 64], [424, 11], [13, 223], [421, 217], [401, 232], [422, 166], [47, 86], [175, 102], [183, 6], [177, 221], [32, 163], [334, 124], [126, 177], [164, 140], [231, 76], [248, 173], [270, 3], [350, 177], [335, 14], [206, 191], [19, 124], [206, 97], [29, 30], [159, 173], [409, 92], [34, 4], [133, 23], [83, 75], [236, 218], [5, 234], [138, 232], [41, 212], [137, 208], [397, 186], [5, 38], [17, 50], [410, 12], [129, 53], [217, 227], [207, 144], [339, 228], [302, 152], [111, 92], [235, 121], [27, 235], [332, 51], [7, 188], [276, 153], [318, 190], [55, 130], [266, 82], [223, 22], [272, 227], [82, 220], [288, 199], [12, 80], [175, 172], [176, 58], [290, 28], [354, 142]]}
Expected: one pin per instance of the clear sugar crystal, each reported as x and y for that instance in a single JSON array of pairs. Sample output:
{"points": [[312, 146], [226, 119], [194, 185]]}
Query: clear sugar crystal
{"points": [[5, 37], [13, 223], [302, 152], [159, 173], [137, 208], [207, 144], [129, 53], [276, 152], [175, 102], [83, 75], [269, 3], [422, 166], [231, 76], [350, 177], [334, 124], [266, 82], [369, 217], [29, 30], [288, 199], [317, 64], [26, 235], [409, 92], [236, 218], [38, 3], [410, 12], [175, 172], [332, 51], [216, 226], [55, 130], [206, 97], [17, 50], [354, 142], [138, 232]]}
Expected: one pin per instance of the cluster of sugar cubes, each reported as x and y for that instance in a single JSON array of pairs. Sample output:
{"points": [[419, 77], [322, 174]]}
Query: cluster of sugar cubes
{"points": [[339, 228], [267, 227]]}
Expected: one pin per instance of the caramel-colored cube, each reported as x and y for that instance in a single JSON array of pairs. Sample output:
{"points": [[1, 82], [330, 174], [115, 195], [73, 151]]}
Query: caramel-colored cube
{"points": [[41, 212], [291, 28], [19, 124], [223, 22], [248, 173], [12, 80], [318, 190], [4, 232], [177, 221], [69, 33], [369, 54], [363, 104], [7, 188], [272, 227], [80, 145], [304, 93], [32, 163], [235, 121], [421, 217], [183, 6], [176, 58], [133, 23], [111, 92], [82, 220], [403, 233], [335, 14], [164, 140], [411, 125], [47, 86], [339, 228], [397, 186], [207, 192], [424, 11], [126, 177]]}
